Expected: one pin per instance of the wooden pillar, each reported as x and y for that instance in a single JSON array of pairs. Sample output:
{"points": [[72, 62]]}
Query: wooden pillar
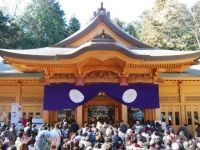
{"points": [[79, 115], [157, 114], [149, 114], [86, 115], [46, 116], [55, 118], [116, 113], [181, 97], [125, 114], [18, 94], [120, 112], [18, 99], [52, 117]]}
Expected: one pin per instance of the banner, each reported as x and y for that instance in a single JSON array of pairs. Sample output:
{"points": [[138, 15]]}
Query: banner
{"points": [[15, 113], [3, 115], [64, 96]]}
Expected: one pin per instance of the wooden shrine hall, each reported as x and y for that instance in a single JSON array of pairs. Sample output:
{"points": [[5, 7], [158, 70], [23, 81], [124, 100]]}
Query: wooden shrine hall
{"points": [[102, 53]]}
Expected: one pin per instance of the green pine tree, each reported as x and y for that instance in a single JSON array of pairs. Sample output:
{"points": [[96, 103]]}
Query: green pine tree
{"points": [[10, 33], [74, 25], [127, 27], [43, 24]]}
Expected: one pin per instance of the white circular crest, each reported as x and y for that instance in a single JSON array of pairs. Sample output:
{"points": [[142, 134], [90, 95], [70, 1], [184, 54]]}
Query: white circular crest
{"points": [[76, 96], [129, 96]]}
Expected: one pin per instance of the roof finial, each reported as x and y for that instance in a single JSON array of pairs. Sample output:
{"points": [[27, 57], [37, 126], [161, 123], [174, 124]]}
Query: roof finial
{"points": [[101, 11], [101, 5]]}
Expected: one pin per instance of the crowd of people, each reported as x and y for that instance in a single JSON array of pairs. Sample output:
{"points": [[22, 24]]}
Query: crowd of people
{"points": [[98, 136]]}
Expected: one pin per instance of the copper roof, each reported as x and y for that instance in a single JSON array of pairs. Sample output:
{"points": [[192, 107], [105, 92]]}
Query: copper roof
{"points": [[52, 53]]}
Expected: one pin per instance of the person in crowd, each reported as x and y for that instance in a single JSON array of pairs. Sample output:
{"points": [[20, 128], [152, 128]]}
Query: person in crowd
{"points": [[19, 140], [13, 130], [34, 130], [116, 140], [55, 137], [7, 134], [65, 130], [28, 129], [43, 139], [99, 136]]}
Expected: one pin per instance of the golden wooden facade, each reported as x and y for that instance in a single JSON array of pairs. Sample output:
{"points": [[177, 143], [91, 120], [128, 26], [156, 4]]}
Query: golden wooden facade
{"points": [[179, 95], [175, 96]]}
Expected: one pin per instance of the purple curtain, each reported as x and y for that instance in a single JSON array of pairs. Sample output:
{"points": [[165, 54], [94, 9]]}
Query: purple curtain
{"points": [[135, 95], [64, 96]]}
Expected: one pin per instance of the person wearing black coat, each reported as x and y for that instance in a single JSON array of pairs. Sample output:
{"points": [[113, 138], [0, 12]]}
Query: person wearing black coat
{"points": [[74, 127]]}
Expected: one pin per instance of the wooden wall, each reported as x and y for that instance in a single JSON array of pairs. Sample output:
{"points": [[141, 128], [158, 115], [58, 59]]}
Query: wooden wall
{"points": [[180, 99], [31, 98]]}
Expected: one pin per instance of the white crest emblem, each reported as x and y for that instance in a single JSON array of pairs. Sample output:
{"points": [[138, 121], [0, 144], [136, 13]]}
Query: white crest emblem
{"points": [[129, 96], [76, 96]]}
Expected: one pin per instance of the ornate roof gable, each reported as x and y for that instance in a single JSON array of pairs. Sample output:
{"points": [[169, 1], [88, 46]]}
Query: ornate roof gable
{"points": [[101, 21]]}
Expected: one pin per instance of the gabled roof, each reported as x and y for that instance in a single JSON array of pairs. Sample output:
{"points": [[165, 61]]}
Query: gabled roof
{"points": [[105, 42], [101, 16], [99, 44]]}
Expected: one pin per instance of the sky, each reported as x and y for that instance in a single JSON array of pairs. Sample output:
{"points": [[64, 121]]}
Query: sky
{"points": [[126, 10]]}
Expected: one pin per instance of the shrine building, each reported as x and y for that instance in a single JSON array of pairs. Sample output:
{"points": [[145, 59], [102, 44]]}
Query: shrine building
{"points": [[104, 73]]}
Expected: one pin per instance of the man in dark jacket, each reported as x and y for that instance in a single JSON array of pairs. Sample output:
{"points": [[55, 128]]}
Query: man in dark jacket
{"points": [[74, 127], [116, 140]]}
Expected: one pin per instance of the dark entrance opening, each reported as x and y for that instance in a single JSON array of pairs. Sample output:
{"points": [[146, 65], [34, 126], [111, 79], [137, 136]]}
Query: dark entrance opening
{"points": [[67, 115], [101, 113], [135, 114]]}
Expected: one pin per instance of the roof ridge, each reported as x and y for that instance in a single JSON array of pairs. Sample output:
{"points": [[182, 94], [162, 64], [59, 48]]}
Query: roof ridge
{"points": [[101, 16]]}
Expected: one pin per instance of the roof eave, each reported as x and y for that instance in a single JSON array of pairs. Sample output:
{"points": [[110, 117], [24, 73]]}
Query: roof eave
{"points": [[103, 47]]}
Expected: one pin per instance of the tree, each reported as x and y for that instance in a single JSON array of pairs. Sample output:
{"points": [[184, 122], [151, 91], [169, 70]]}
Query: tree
{"points": [[195, 27], [127, 27], [74, 25], [168, 25], [9, 32], [43, 24], [119, 23]]}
